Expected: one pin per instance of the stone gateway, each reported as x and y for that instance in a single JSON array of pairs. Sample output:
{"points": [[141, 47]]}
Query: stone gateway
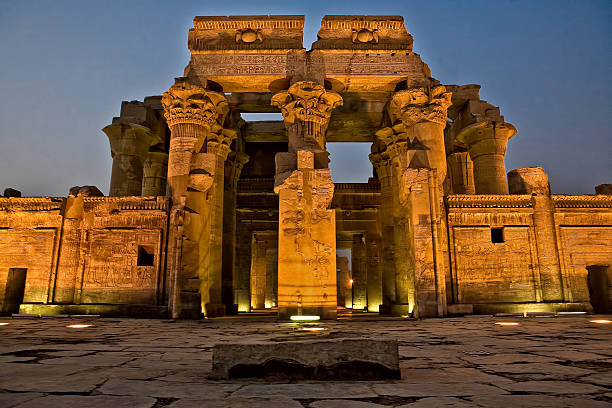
{"points": [[209, 215]]}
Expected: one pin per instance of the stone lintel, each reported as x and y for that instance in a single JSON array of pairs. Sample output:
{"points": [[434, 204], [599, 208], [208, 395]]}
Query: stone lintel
{"points": [[363, 33], [245, 33]]}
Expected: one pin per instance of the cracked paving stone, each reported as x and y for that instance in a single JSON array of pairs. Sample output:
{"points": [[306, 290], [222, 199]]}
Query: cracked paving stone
{"points": [[337, 403], [537, 371], [47, 378], [436, 389], [233, 402], [604, 378], [438, 402], [308, 390], [11, 399], [168, 389], [552, 387], [94, 401], [536, 401]]}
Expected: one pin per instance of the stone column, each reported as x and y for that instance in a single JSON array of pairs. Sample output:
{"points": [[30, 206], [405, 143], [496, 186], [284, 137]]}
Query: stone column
{"points": [[384, 171], [233, 168], [271, 274], [198, 147], [486, 142], [414, 140], [421, 197], [306, 242], [461, 169], [129, 147], [345, 287], [374, 272], [307, 228], [359, 272], [154, 174], [534, 181], [258, 272]]}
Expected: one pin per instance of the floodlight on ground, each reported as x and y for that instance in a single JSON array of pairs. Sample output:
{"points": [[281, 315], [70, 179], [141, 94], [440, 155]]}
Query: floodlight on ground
{"points": [[3, 323], [78, 326], [601, 321], [313, 329], [507, 323], [304, 318]]}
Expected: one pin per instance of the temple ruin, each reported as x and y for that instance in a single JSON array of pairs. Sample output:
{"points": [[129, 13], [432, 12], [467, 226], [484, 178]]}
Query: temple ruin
{"points": [[210, 215]]}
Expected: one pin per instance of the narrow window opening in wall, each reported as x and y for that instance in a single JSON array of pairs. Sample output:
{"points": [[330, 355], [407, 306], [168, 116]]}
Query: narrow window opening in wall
{"points": [[497, 235], [146, 257]]}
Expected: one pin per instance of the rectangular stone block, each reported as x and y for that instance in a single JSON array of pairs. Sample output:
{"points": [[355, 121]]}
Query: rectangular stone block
{"points": [[341, 359]]}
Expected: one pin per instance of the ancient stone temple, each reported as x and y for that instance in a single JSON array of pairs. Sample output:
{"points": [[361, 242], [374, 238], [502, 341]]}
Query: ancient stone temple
{"points": [[209, 215]]}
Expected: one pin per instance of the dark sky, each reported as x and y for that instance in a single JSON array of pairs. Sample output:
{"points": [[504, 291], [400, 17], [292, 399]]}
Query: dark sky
{"points": [[65, 67]]}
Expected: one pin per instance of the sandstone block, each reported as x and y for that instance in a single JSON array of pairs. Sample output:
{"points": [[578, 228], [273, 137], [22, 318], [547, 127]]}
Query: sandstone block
{"points": [[358, 359], [528, 180], [11, 192], [86, 191], [605, 189]]}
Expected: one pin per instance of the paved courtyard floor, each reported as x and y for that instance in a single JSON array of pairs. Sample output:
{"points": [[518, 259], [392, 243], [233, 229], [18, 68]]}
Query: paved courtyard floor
{"points": [[459, 362]]}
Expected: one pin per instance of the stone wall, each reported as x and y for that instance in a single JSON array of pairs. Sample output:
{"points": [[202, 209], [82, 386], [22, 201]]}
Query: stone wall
{"points": [[85, 254], [497, 257]]}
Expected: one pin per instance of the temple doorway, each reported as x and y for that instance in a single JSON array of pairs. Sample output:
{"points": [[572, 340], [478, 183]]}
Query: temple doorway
{"points": [[15, 288], [599, 288]]}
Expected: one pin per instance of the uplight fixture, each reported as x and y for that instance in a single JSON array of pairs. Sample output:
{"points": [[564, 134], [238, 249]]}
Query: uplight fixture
{"points": [[300, 318], [78, 326], [601, 321], [507, 323]]}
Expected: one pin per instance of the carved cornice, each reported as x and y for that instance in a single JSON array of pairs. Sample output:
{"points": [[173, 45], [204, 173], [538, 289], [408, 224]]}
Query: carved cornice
{"points": [[489, 201], [188, 103], [585, 201], [130, 203], [11, 204], [306, 101], [420, 105]]}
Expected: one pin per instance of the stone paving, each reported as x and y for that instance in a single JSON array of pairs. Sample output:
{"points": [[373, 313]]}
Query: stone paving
{"points": [[460, 362]]}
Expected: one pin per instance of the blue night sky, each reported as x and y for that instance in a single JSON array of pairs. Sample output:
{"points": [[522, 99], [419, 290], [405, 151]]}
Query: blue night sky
{"points": [[67, 65]]}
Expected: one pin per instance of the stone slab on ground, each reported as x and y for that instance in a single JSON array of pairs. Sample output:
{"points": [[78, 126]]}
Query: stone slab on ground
{"points": [[89, 401], [360, 359]]}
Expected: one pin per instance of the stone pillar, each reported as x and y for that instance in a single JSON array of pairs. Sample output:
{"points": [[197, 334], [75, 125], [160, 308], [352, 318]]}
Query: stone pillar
{"points": [[414, 140], [271, 274], [129, 147], [258, 272], [307, 228], [154, 174], [384, 171], [359, 272], [461, 169], [421, 197], [486, 142], [534, 181], [198, 148], [345, 286], [306, 242], [374, 272], [233, 168]]}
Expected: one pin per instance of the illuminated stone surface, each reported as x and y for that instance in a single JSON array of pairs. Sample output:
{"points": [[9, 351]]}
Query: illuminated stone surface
{"points": [[211, 215], [365, 359], [544, 362]]}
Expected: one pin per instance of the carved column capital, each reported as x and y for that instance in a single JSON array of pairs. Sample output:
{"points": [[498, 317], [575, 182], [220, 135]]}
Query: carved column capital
{"points": [[188, 103], [306, 108], [418, 105]]}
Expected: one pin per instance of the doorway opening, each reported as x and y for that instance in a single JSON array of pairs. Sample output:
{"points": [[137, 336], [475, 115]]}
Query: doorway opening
{"points": [[15, 288], [599, 281]]}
